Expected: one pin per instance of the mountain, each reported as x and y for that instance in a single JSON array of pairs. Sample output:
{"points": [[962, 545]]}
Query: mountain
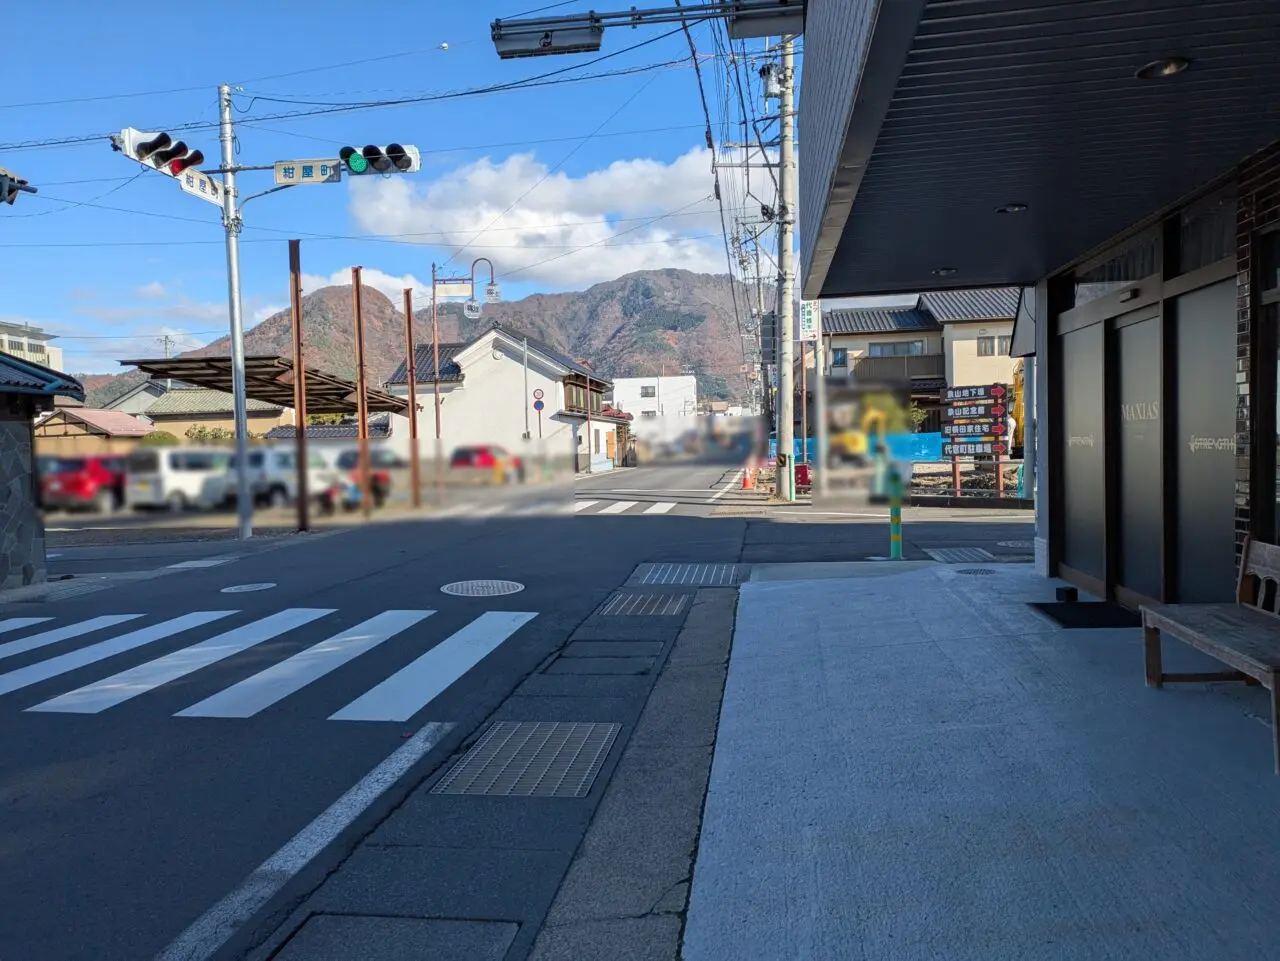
{"points": [[642, 323]]}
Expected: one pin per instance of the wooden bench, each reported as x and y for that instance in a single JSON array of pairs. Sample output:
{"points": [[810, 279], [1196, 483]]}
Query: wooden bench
{"points": [[1245, 635]]}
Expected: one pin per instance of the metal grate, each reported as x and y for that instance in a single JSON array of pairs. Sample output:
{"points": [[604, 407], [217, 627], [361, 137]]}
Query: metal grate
{"points": [[958, 555], [482, 588], [642, 605], [532, 759], [978, 571], [689, 575]]}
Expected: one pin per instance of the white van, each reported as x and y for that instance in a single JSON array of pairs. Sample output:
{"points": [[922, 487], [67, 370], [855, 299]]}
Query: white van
{"points": [[175, 477], [273, 476]]}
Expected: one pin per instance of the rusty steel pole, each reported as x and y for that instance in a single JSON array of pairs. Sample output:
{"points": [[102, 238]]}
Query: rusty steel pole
{"points": [[435, 377], [299, 382], [362, 399], [804, 409], [412, 353]]}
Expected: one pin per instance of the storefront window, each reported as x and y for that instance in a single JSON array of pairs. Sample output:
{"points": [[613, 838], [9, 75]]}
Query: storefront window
{"points": [[1207, 232], [1138, 259]]}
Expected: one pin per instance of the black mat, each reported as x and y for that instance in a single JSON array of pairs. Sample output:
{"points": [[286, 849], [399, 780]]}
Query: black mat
{"points": [[1083, 615]]}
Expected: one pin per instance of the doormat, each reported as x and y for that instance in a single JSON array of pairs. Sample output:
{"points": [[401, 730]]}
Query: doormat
{"points": [[1084, 615]]}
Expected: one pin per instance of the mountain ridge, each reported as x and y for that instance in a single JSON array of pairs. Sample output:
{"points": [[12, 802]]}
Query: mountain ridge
{"points": [[637, 324]]}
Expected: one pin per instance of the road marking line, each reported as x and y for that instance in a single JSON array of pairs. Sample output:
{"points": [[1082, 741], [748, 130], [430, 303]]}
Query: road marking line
{"points": [[416, 685], [583, 505], [660, 508], [277, 682], [62, 633], [216, 926], [735, 479], [54, 666], [618, 507], [204, 562], [18, 623], [100, 695], [453, 511]]}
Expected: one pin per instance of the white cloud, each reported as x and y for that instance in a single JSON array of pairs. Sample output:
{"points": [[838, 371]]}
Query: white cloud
{"points": [[388, 284], [566, 231], [258, 314], [152, 291]]}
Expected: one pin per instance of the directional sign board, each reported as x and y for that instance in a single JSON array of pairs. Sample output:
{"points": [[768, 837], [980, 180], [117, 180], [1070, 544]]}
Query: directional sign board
{"points": [[970, 447], [326, 171], [810, 319], [202, 186], [992, 392], [452, 288]]}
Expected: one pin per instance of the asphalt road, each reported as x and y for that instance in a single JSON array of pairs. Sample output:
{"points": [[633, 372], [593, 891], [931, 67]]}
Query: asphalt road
{"points": [[151, 765]]}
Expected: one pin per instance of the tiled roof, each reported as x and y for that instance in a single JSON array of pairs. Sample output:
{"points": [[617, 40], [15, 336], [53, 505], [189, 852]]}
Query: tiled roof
{"points": [[111, 422], [202, 400], [379, 427], [993, 303], [450, 370], [564, 360], [878, 320], [18, 376]]}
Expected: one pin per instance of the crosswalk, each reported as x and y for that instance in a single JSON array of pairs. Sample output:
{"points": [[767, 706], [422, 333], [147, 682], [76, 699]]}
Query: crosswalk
{"points": [[482, 511], [623, 507], [396, 697]]}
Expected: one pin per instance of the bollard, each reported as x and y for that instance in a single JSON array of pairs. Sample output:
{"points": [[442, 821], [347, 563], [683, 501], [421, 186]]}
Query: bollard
{"points": [[895, 514]]}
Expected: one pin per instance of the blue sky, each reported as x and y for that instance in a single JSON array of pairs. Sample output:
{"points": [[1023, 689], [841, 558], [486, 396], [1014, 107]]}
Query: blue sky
{"points": [[555, 201]]}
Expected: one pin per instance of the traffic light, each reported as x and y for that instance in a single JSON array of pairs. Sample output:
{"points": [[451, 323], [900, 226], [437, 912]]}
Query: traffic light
{"points": [[11, 185], [394, 158], [157, 150]]}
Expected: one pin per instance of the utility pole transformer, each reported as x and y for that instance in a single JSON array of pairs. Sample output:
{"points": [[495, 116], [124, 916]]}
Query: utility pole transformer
{"points": [[231, 222], [786, 488]]}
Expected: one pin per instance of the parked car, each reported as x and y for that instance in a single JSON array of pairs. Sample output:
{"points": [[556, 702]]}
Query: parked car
{"points": [[273, 476], [177, 478], [82, 483], [487, 462], [381, 464]]}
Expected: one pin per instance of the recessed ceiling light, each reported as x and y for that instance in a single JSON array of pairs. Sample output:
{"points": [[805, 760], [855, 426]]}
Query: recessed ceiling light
{"points": [[1014, 208], [1168, 67], [944, 271]]}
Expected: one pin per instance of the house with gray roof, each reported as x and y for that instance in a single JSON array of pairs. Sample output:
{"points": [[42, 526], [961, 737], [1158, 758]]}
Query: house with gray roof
{"points": [[506, 389], [183, 410]]}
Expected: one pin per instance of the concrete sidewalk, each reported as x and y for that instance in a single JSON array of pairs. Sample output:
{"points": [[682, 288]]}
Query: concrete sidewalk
{"points": [[911, 763]]}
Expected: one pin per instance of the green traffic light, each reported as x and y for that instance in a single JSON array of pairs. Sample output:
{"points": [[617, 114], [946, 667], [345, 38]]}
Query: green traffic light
{"points": [[354, 160]]}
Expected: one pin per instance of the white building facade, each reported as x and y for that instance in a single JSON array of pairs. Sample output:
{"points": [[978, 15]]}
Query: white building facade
{"points": [[30, 344], [664, 407]]}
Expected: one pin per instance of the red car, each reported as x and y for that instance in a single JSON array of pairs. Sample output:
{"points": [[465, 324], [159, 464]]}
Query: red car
{"points": [[82, 483], [487, 462]]}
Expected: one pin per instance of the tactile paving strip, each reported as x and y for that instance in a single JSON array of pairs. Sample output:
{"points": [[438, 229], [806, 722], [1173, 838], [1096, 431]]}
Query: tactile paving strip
{"points": [[958, 555], [642, 605], [532, 759]]}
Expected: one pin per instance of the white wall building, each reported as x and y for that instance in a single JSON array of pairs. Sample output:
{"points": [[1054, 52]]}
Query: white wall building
{"points": [[486, 397], [664, 407], [30, 343]]}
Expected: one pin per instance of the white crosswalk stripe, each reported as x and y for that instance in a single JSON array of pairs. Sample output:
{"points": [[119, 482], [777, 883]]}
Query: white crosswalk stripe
{"points": [[660, 508], [64, 633], [129, 684], [412, 688], [583, 505], [54, 666], [396, 697], [267, 687], [617, 507]]}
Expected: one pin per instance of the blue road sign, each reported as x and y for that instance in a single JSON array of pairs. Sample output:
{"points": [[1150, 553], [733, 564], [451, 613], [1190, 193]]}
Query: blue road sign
{"points": [[538, 405]]}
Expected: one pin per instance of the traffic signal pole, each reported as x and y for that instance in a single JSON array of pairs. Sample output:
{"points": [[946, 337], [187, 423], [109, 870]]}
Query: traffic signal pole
{"points": [[231, 222]]}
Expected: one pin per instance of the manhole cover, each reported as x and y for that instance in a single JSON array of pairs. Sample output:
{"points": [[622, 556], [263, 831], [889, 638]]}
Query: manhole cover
{"points": [[247, 588], [481, 588], [1017, 545], [975, 570], [532, 759]]}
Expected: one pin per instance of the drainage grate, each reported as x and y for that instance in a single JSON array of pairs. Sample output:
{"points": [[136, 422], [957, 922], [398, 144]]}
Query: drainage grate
{"points": [[532, 759], [642, 605], [975, 570], [482, 588], [688, 575], [1017, 545], [958, 555]]}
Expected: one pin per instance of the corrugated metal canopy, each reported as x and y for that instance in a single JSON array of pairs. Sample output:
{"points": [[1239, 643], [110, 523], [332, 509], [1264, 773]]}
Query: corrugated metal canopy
{"points": [[984, 103], [270, 379]]}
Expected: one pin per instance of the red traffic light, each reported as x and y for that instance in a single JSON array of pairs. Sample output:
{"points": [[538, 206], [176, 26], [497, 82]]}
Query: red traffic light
{"points": [[193, 159]]}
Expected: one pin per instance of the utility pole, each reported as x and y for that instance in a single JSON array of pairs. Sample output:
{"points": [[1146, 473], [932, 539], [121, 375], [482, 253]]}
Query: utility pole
{"points": [[415, 477], [362, 397], [299, 382], [167, 342], [786, 274], [231, 222], [435, 380]]}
